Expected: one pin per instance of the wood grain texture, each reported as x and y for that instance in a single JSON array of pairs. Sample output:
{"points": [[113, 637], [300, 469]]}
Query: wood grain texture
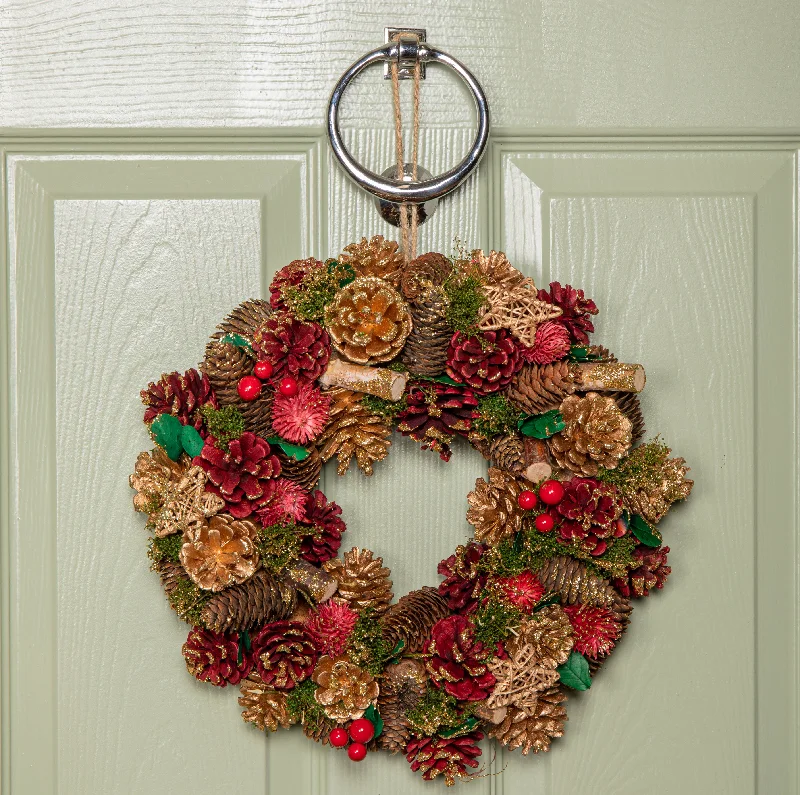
{"points": [[546, 64]]}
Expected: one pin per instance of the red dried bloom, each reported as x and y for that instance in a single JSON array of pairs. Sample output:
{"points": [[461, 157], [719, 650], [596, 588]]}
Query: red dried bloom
{"points": [[575, 310], [180, 395], [651, 572], [283, 499], [332, 624], [590, 512], [290, 276], [487, 363], [302, 416], [213, 657], [550, 344], [457, 662], [521, 590], [594, 629], [285, 654], [294, 348], [239, 476], [448, 756], [463, 582], [325, 525]]}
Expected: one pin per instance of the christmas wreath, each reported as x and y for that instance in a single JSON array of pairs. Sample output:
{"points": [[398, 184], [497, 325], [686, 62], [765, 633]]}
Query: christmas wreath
{"points": [[565, 522]]}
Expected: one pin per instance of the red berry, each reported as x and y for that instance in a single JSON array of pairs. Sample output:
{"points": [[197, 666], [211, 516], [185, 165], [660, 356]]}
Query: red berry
{"points": [[362, 730], [527, 500], [357, 751], [551, 492], [288, 386], [338, 737], [544, 523], [263, 369], [249, 387]]}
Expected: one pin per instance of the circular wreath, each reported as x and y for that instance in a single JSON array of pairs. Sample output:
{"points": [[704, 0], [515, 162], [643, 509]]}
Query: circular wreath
{"points": [[564, 524]]}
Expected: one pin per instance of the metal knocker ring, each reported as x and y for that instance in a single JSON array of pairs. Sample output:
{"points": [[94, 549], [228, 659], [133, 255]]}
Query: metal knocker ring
{"points": [[391, 189]]}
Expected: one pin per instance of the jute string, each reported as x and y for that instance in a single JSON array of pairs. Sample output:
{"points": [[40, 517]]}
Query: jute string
{"points": [[408, 227]]}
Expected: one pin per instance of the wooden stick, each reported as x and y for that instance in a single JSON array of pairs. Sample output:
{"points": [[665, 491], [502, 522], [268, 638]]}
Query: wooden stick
{"points": [[378, 381], [608, 377], [313, 581], [496, 715], [537, 460]]}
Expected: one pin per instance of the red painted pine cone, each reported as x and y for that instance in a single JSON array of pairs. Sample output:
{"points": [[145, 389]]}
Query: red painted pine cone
{"points": [[463, 582], [448, 756], [290, 276], [652, 572], [294, 348], [589, 512], [179, 395], [285, 654], [486, 363], [213, 657], [325, 525], [575, 308]]}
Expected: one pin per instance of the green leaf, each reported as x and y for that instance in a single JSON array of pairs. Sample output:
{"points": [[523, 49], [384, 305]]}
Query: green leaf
{"points": [[239, 341], [547, 601], [292, 450], [445, 379], [644, 532], [191, 441], [395, 652], [374, 717], [542, 426], [166, 431], [574, 672], [465, 727]]}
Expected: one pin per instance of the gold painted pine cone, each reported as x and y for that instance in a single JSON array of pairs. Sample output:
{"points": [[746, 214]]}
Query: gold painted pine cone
{"points": [[345, 691], [220, 553], [533, 730], [264, 706], [413, 617], [597, 434], [538, 388], [368, 321], [375, 257], [493, 508], [363, 580]]}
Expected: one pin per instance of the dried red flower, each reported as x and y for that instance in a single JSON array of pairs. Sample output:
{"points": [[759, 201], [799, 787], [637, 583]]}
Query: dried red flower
{"points": [[283, 499], [550, 344], [302, 416], [332, 624], [521, 590]]}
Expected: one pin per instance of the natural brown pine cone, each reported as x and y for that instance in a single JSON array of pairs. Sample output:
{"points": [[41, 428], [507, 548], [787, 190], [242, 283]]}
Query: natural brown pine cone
{"points": [[493, 508], [363, 580], [402, 687], [425, 351], [597, 434], [305, 473], [538, 388], [263, 705], [172, 575], [396, 728], [598, 353], [423, 274], [507, 453], [345, 691], [549, 632], [374, 257], [628, 403], [261, 599], [413, 617], [533, 729], [353, 430], [246, 318], [368, 321], [319, 729]]}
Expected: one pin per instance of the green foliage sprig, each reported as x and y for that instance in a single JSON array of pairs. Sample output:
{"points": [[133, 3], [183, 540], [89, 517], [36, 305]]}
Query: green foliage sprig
{"points": [[497, 416], [225, 424]]}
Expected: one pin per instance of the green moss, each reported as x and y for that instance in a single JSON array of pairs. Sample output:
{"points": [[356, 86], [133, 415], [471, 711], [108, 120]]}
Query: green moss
{"points": [[494, 621], [540, 547], [389, 409], [497, 416], [223, 424], [436, 709], [366, 646], [278, 544], [505, 559], [465, 299], [167, 548], [188, 601], [302, 705], [642, 468]]}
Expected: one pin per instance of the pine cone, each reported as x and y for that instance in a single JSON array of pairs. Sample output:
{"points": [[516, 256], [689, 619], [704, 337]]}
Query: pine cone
{"points": [[353, 430], [508, 453], [653, 496], [493, 508], [538, 388], [534, 729], [575, 310], [296, 349], [368, 320], [180, 395], [245, 319], [598, 353], [172, 575], [588, 514], [285, 654], [345, 691], [651, 572], [374, 257], [325, 525], [263, 706], [495, 269], [464, 583], [425, 274], [290, 276], [412, 619], [213, 657], [221, 553], [319, 729], [425, 351], [486, 363], [402, 687], [305, 473], [363, 580], [549, 633], [597, 434], [628, 404], [450, 756], [435, 413], [261, 599]]}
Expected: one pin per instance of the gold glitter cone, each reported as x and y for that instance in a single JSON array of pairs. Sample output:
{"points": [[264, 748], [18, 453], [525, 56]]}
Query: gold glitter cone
{"points": [[263, 705], [493, 508], [538, 388], [424, 274], [533, 730], [413, 617], [375, 257], [549, 634], [345, 691], [597, 434], [425, 351], [363, 580]]}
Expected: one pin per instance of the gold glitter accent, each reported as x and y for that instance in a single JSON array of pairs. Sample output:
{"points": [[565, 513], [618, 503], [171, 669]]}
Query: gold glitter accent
{"points": [[549, 634], [345, 691], [313, 581], [535, 728], [263, 705], [609, 376], [520, 678], [493, 508], [363, 580]]}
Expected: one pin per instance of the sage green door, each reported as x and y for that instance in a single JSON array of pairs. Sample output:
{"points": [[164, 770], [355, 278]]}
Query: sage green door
{"points": [[161, 160]]}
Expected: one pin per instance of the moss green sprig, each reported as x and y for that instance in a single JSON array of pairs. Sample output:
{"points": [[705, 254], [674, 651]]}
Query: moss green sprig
{"points": [[436, 709], [188, 601], [225, 424], [465, 299], [302, 706], [167, 548], [494, 622], [497, 416], [389, 409], [278, 544], [366, 646], [642, 468]]}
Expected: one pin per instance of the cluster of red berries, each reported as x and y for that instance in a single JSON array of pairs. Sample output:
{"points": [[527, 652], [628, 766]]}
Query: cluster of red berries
{"points": [[551, 492], [249, 387], [361, 732]]}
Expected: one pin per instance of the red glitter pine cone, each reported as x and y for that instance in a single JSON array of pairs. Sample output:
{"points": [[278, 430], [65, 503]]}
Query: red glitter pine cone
{"points": [[290, 276], [285, 654], [486, 363], [446, 756], [181, 396], [213, 657], [325, 526], [589, 513], [651, 572], [463, 583], [293, 348]]}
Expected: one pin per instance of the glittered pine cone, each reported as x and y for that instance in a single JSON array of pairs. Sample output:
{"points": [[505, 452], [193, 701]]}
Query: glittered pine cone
{"points": [[457, 662], [221, 553], [446, 756], [290, 276], [412, 618], [549, 632], [653, 496], [180, 395], [487, 362], [597, 434], [264, 706], [368, 321], [533, 729], [239, 475], [538, 388], [594, 630], [285, 654], [263, 598], [294, 348], [305, 473], [374, 257], [493, 508], [425, 351], [589, 513], [325, 528], [463, 583], [575, 308], [650, 571], [402, 687], [213, 657], [363, 580], [435, 413], [425, 274], [345, 691]]}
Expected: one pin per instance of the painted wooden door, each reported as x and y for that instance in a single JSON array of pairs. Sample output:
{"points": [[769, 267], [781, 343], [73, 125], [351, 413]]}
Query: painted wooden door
{"points": [[160, 161]]}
